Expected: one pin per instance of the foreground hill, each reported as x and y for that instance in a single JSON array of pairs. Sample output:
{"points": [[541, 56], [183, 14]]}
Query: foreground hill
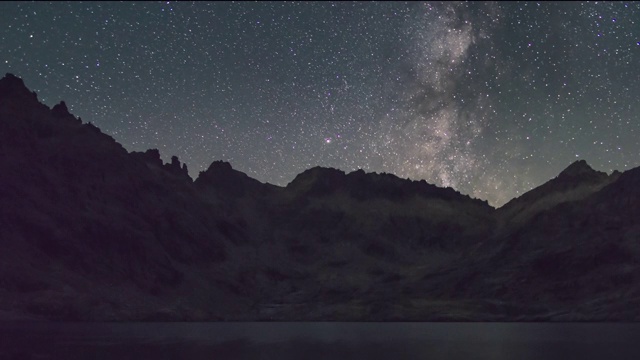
{"points": [[90, 231]]}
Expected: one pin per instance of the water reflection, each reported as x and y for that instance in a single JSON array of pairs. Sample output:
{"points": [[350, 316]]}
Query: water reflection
{"points": [[319, 341]]}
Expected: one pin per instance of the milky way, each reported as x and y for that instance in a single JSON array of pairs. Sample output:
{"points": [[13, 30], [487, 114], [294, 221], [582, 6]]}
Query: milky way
{"points": [[491, 99]]}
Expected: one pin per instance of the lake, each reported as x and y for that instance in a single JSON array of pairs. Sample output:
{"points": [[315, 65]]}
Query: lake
{"points": [[321, 340]]}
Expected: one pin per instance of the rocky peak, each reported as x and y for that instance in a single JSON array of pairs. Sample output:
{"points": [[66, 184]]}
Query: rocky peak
{"points": [[574, 183], [11, 85], [60, 110], [221, 176], [219, 167], [576, 169], [151, 156], [217, 172], [318, 180], [16, 99], [579, 173], [20, 102]]}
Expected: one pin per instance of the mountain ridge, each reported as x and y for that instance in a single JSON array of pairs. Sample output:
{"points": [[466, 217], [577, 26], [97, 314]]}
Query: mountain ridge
{"points": [[94, 232]]}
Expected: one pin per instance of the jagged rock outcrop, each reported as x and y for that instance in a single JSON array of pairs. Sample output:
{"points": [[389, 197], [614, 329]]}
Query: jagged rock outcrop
{"points": [[85, 217], [221, 177], [61, 112], [150, 157], [12, 87], [90, 231]]}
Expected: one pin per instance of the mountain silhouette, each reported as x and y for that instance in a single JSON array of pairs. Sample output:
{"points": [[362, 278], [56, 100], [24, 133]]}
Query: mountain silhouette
{"points": [[90, 231]]}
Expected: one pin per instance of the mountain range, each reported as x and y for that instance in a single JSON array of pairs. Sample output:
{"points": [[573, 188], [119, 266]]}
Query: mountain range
{"points": [[90, 231]]}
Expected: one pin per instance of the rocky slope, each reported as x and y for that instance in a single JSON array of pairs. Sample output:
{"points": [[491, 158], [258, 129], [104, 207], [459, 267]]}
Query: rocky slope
{"points": [[90, 231], [574, 183], [577, 260]]}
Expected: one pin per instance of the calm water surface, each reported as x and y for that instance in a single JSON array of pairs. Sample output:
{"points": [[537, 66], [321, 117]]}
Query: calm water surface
{"points": [[329, 340]]}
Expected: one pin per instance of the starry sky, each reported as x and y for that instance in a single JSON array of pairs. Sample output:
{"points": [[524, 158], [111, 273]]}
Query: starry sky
{"points": [[491, 99]]}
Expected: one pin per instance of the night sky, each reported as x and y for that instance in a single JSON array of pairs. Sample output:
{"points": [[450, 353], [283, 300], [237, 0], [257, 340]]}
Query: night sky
{"points": [[491, 99]]}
